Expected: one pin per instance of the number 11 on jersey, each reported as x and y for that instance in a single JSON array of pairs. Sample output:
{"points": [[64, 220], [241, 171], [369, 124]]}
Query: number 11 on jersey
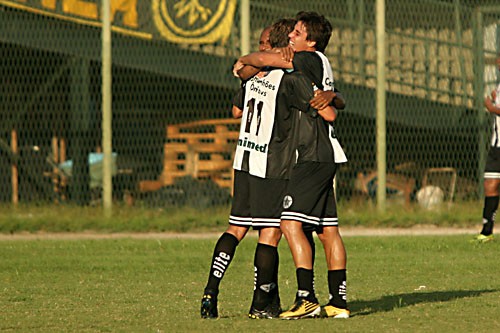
{"points": [[250, 114]]}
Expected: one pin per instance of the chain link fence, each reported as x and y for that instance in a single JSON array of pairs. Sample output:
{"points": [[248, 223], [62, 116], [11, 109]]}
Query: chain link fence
{"points": [[172, 134]]}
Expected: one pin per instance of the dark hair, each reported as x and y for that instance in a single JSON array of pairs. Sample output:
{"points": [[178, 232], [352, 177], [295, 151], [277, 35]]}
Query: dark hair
{"points": [[278, 36], [318, 28]]}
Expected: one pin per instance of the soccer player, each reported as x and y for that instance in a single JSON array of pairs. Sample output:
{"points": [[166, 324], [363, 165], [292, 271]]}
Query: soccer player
{"points": [[492, 168], [310, 200], [262, 164], [264, 43]]}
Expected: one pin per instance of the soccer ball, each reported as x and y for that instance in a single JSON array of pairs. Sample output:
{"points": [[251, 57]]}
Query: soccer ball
{"points": [[430, 197]]}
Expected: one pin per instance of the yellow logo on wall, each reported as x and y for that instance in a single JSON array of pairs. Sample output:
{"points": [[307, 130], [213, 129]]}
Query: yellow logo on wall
{"points": [[194, 21]]}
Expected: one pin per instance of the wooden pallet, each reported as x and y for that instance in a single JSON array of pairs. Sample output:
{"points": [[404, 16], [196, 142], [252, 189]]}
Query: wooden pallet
{"points": [[199, 149]]}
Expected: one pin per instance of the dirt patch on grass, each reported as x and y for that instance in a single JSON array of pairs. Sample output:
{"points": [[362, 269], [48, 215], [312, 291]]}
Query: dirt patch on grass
{"points": [[419, 230]]}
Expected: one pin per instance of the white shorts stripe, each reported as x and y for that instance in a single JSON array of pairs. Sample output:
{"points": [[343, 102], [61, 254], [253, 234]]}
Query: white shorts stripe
{"points": [[240, 221], [265, 222], [303, 218], [254, 222], [287, 215]]}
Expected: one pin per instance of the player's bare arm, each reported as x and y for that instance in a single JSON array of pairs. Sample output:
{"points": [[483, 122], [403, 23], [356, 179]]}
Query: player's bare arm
{"points": [[492, 108], [287, 53], [328, 97], [246, 71], [237, 112], [243, 71], [263, 59], [249, 65], [328, 113]]}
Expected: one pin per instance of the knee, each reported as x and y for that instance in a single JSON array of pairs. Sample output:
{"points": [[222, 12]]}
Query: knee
{"points": [[270, 236], [291, 229], [237, 231], [286, 227], [329, 235]]}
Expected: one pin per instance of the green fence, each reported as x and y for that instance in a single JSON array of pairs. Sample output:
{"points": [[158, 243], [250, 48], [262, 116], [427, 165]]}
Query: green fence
{"points": [[172, 88]]}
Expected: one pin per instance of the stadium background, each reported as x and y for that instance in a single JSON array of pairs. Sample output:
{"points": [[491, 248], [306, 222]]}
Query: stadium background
{"points": [[172, 65]]}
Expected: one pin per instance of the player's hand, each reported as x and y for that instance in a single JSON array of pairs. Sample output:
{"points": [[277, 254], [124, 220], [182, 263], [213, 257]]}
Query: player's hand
{"points": [[286, 53], [236, 67], [322, 99], [493, 95]]}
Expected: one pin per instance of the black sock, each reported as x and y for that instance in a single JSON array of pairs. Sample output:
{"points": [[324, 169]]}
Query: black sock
{"points": [[337, 288], [265, 283], [305, 278], [489, 212], [310, 239], [223, 254], [275, 277]]}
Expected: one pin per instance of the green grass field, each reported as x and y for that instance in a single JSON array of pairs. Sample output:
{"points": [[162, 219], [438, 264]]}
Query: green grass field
{"points": [[69, 218], [395, 284]]}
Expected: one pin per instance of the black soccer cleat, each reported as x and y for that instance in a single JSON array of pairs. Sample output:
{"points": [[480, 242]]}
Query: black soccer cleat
{"points": [[209, 307], [271, 311]]}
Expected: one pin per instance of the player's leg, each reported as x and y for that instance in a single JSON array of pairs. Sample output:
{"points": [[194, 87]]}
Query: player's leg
{"points": [[266, 212], [335, 255], [225, 248], [306, 304], [334, 248], [223, 254], [309, 233], [298, 243], [266, 301], [306, 189], [491, 199], [336, 259], [491, 194], [301, 250]]}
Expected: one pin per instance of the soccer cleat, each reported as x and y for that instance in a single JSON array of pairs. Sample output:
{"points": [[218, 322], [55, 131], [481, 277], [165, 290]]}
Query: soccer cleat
{"points": [[269, 312], [331, 311], [209, 307], [302, 308], [483, 238]]}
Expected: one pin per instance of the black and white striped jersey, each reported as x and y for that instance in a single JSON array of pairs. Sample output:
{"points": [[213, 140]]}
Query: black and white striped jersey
{"points": [[271, 104], [317, 138]]}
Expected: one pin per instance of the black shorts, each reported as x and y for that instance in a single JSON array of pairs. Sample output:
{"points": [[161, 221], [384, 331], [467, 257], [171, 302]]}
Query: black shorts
{"points": [[492, 168], [310, 197], [257, 202]]}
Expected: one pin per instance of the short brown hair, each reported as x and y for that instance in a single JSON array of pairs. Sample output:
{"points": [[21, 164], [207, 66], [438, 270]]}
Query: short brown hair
{"points": [[319, 29], [278, 36]]}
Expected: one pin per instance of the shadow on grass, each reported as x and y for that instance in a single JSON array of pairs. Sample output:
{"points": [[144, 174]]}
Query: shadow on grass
{"points": [[392, 302]]}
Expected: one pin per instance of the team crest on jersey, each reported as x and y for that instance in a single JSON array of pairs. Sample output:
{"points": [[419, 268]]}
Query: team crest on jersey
{"points": [[287, 201]]}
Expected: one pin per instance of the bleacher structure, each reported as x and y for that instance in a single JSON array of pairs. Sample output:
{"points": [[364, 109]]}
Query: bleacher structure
{"points": [[170, 97]]}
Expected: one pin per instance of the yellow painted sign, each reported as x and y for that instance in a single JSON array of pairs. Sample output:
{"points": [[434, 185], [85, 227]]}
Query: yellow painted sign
{"points": [[190, 21], [177, 21]]}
